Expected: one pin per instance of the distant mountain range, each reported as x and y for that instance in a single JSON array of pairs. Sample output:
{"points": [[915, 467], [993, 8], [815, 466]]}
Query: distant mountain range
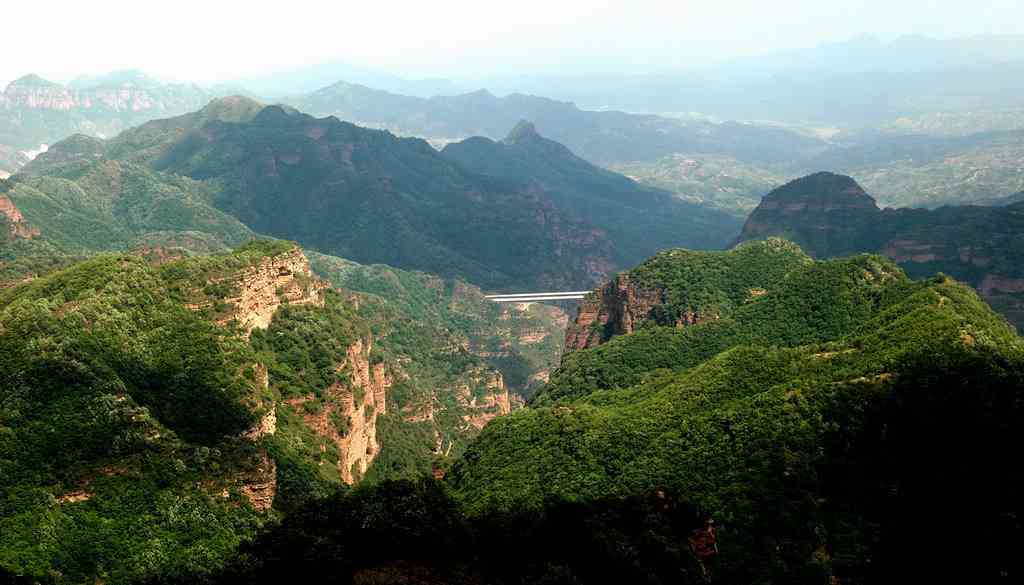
{"points": [[857, 83], [599, 137], [901, 170], [308, 78], [34, 111], [928, 157]]}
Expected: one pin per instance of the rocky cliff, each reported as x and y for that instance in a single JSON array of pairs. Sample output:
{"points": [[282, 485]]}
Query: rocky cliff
{"points": [[346, 415], [264, 287], [17, 227], [616, 308], [619, 308], [681, 288], [830, 215], [484, 397]]}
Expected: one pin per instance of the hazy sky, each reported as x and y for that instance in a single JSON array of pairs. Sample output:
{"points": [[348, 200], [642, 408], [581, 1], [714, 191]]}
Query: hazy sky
{"points": [[211, 40]]}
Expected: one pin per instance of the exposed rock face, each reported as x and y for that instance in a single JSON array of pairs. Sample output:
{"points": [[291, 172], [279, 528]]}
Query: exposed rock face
{"points": [[359, 401], [484, 407], [285, 278], [36, 112], [260, 486], [16, 225], [265, 427], [617, 308]]}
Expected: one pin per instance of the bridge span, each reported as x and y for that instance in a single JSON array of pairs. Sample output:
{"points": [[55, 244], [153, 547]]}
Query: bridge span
{"points": [[542, 296]]}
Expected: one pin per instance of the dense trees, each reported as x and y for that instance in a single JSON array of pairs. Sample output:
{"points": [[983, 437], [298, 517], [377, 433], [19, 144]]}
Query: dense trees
{"points": [[812, 455]]}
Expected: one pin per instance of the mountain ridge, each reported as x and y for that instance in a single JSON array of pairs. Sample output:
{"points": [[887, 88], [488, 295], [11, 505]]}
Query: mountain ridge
{"points": [[973, 243]]}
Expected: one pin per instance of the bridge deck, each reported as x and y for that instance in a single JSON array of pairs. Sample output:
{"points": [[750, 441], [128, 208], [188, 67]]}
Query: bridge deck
{"points": [[542, 296]]}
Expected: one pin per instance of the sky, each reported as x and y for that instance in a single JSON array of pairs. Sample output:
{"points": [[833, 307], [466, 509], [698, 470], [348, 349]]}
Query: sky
{"points": [[216, 40]]}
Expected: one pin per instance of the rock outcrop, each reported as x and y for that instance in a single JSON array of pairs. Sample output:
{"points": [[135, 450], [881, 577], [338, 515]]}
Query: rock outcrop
{"points": [[263, 288], [260, 485], [353, 405], [617, 308], [484, 397], [36, 112], [17, 227]]}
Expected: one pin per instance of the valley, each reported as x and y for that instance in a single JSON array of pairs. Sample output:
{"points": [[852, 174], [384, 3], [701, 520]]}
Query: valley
{"points": [[256, 329]]}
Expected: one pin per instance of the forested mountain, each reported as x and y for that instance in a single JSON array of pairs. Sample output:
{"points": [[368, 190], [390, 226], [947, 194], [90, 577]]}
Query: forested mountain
{"points": [[372, 197], [769, 415], [638, 219], [831, 215], [725, 165], [598, 136], [74, 202], [728, 427], [34, 111], [183, 403]]}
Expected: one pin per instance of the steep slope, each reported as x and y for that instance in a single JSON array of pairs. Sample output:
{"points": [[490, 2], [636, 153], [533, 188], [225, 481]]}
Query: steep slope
{"points": [[798, 420], [73, 202], [34, 111], [374, 198], [600, 137], [823, 212], [461, 360], [130, 421], [641, 220], [159, 411], [830, 215], [96, 204]]}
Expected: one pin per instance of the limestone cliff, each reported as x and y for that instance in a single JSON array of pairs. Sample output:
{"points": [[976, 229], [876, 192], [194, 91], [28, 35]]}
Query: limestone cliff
{"points": [[614, 309], [484, 397], [356, 401], [135, 95], [264, 287], [619, 308]]}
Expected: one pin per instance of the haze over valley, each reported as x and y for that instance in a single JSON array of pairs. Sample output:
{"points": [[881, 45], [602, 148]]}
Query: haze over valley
{"points": [[256, 269]]}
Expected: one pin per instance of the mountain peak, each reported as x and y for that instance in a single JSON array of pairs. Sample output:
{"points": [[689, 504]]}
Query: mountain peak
{"points": [[821, 212], [823, 187], [522, 132], [32, 81], [233, 108]]}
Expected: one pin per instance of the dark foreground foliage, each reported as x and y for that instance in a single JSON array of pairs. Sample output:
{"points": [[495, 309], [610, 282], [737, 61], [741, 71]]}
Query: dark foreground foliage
{"points": [[412, 531]]}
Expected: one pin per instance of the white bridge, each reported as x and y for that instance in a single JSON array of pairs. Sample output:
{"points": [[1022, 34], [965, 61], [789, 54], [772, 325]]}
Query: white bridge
{"points": [[533, 297]]}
